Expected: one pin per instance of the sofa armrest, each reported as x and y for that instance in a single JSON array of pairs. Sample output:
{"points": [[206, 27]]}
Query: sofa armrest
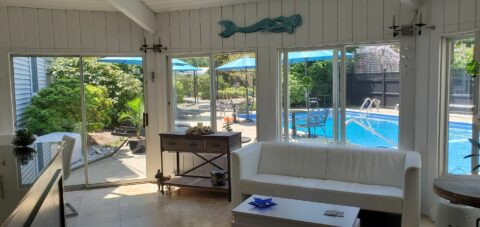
{"points": [[244, 163], [411, 189]]}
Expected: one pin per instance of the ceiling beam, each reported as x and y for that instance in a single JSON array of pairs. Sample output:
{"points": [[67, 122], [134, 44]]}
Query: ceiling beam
{"points": [[136, 11]]}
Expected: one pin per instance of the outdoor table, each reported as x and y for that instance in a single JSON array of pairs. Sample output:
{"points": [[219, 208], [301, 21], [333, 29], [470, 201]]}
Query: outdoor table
{"points": [[294, 123], [459, 189]]}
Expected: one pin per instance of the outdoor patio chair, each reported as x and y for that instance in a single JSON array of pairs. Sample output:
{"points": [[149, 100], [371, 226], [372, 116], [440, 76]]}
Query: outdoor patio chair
{"points": [[316, 118], [224, 105]]}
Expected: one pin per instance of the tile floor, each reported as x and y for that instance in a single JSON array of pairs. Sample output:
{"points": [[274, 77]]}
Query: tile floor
{"points": [[142, 205], [123, 165]]}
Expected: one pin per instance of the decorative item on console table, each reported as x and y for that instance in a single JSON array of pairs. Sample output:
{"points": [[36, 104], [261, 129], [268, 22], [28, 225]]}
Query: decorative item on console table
{"points": [[227, 123]]}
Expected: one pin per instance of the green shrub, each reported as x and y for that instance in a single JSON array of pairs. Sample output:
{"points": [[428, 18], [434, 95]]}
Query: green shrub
{"points": [[120, 83], [99, 108], [204, 86], [180, 91], [57, 108], [232, 93]]}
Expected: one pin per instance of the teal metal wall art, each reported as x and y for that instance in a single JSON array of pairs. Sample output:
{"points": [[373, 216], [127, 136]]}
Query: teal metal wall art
{"points": [[276, 25]]}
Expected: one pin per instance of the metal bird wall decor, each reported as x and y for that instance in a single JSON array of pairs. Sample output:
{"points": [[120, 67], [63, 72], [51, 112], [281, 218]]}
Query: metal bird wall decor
{"points": [[276, 25]]}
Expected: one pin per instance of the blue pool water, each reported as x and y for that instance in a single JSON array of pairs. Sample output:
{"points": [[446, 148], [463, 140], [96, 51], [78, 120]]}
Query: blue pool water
{"points": [[385, 134]]}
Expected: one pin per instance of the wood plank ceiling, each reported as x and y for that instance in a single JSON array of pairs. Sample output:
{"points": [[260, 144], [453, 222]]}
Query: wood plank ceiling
{"points": [[103, 5]]}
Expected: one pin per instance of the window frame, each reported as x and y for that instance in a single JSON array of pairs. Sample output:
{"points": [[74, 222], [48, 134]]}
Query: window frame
{"points": [[213, 84], [339, 97], [447, 50]]}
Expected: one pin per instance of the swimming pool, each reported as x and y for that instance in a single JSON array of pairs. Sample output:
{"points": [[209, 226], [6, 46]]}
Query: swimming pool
{"points": [[379, 130]]}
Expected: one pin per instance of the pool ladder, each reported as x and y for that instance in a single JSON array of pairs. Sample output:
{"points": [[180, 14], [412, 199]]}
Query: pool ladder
{"points": [[370, 129], [368, 104]]}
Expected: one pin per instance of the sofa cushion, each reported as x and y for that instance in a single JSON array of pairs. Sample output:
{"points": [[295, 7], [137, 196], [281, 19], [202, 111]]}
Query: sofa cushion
{"points": [[301, 160], [369, 197], [366, 166]]}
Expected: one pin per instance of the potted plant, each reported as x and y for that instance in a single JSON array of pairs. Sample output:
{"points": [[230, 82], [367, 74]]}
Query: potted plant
{"points": [[134, 117]]}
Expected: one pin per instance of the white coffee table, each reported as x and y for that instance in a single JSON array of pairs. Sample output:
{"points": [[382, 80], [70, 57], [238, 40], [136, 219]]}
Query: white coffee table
{"points": [[290, 212]]}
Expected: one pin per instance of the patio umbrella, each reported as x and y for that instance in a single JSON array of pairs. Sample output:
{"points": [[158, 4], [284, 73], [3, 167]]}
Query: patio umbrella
{"points": [[241, 64], [135, 61], [316, 55], [122, 60]]}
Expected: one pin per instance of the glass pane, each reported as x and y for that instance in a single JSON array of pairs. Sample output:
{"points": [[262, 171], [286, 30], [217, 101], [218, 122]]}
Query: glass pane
{"points": [[48, 103], [310, 95], [460, 108], [114, 108], [191, 92], [236, 94], [372, 95]]}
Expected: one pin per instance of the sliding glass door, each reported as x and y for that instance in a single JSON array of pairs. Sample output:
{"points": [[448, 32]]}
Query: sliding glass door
{"points": [[98, 103], [348, 95]]}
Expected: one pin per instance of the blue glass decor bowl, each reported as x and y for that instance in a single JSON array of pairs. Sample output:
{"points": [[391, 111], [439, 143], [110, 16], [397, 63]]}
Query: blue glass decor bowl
{"points": [[262, 203]]}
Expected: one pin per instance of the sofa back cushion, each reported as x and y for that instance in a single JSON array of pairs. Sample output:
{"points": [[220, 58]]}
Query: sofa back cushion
{"points": [[297, 160], [366, 166]]}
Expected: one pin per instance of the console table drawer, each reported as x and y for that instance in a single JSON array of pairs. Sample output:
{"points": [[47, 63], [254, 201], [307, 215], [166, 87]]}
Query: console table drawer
{"points": [[214, 145], [193, 145], [172, 143]]}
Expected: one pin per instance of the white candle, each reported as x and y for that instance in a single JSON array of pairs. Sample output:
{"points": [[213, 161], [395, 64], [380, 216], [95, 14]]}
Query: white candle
{"points": [[420, 17], [393, 22]]}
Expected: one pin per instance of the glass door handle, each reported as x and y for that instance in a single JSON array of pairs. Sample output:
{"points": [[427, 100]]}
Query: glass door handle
{"points": [[2, 189], [145, 120]]}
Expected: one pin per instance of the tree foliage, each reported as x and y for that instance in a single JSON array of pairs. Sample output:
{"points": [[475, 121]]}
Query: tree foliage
{"points": [[57, 108], [463, 53], [320, 74], [121, 84]]}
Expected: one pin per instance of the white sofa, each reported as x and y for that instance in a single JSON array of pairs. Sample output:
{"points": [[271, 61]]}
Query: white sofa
{"points": [[372, 179]]}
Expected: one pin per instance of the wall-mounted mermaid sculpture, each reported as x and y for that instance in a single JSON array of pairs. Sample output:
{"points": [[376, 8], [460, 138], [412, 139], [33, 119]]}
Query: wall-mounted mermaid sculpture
{"points": [[276, 25]]}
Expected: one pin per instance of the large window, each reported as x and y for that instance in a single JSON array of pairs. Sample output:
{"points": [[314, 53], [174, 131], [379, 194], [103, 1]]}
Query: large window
{"points": [[461, 107], [345, 95], [223, 97]]}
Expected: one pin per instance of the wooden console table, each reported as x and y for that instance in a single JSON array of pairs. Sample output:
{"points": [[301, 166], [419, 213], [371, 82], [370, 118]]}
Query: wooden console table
{"points": [[220, 143]]}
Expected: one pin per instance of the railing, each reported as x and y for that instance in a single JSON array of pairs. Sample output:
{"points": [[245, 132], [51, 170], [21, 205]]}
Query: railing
{"points": [[371, 130]]}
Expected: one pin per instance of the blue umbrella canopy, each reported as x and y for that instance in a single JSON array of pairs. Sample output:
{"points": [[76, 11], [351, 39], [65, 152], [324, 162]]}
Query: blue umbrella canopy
{"points": [[136, 61], [239, 64], [176, 61], [122, 60], [184, 68], [316, 55]]}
